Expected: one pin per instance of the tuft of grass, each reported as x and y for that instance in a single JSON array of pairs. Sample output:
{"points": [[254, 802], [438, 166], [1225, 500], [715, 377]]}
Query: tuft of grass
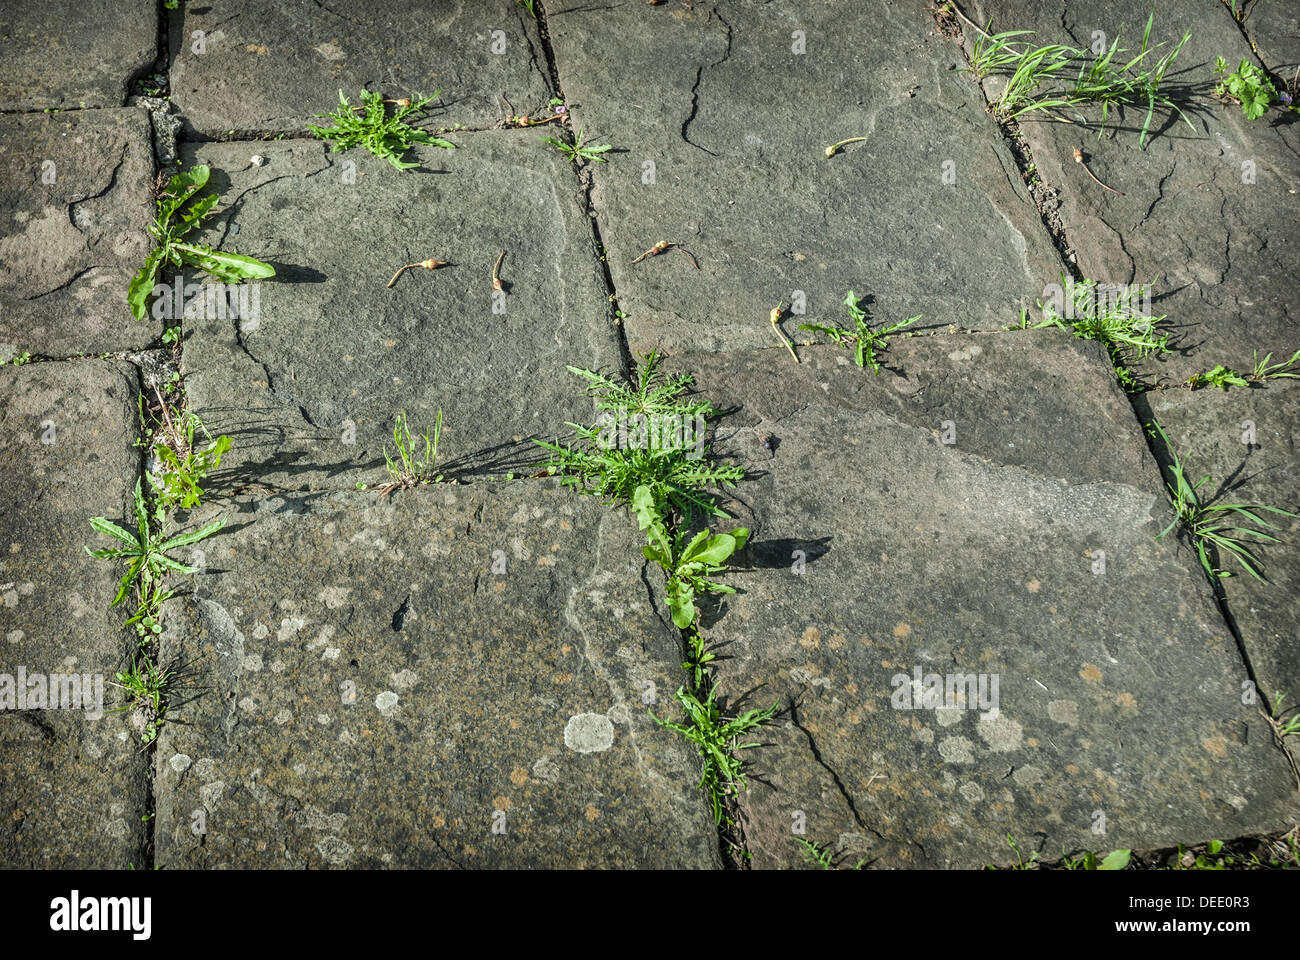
{"points": [[716, 737], [389, 138], [864, 341], [145, 685], [1112, 316], [1262, 370], [676, 481], [1056, 77], [1212, 527], [412, 465], [180, 196], [579, 149]]}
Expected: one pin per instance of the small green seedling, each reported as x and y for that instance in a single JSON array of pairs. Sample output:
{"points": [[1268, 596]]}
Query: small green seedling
{"points": [[1211, 526], [861, 338], [688, 567], [1249, 86], [529, 5], [186, 466], [181, 191], [579, 149], [1220, 376], [1281, 725], [145, 685], [715, 737], [146, 553], [388, 138], [412, 466]]}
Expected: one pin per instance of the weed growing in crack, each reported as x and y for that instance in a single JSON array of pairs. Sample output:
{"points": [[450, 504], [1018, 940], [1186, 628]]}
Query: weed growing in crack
{"points": [[146, 552], [579, 149], [716, 737], [1037, 78], [146, 687], [1219, 376], [529, 5], [179, 191], [864, 341], [1212, 526], [184, 465], [820, 856], [1283, 370], [389, 138], [1111, 315], [687, 566], [1250, 87], [1283, 726], [598, 464], [412, 466]]}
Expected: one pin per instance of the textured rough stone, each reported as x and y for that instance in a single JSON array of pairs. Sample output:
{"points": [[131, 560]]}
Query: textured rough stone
{"points": [[256, 67], [74, 53], [75, 188], [878, 548], [73, 784], [311, 388], [372, 694], [1212, 211], [929, 216]]}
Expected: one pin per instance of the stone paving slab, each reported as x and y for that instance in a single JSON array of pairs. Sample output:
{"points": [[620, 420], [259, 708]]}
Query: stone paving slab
{"points": [[76, 193], [1274, 29], [735, 124], [73, 783], [1209, 430], [245, 67], [1119, 682], [311, 389], [74, 53], [369, 693], [1218, 244]]}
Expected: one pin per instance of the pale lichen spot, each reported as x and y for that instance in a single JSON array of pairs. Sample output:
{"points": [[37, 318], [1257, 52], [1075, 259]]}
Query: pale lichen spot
{"points": [[956, 750], [386, 703], [179, 762], [1002, 734], [589, 733], [1064, 711]]}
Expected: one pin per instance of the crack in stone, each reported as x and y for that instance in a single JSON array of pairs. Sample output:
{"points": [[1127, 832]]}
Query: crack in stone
{"points": [[695, 88]]}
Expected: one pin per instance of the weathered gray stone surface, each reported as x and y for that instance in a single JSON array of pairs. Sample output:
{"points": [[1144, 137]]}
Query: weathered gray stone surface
{"points": [[369, 693], [1274, 29], [74, 53], [72, 786], [311, 389], [359, 681], [1209, 429], [1219, 245], [270, 67], [75, 187], [1119, 685], [735, 125]]}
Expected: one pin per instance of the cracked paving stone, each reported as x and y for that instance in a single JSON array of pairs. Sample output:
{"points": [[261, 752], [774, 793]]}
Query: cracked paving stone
{"points": [[248, 67], [75, 188], [74, 53], [72, 784], [1210, 430], [1211, 211], [1024, 550], [320, 733], [929, 216], [1274, 28], [309, 389]]}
